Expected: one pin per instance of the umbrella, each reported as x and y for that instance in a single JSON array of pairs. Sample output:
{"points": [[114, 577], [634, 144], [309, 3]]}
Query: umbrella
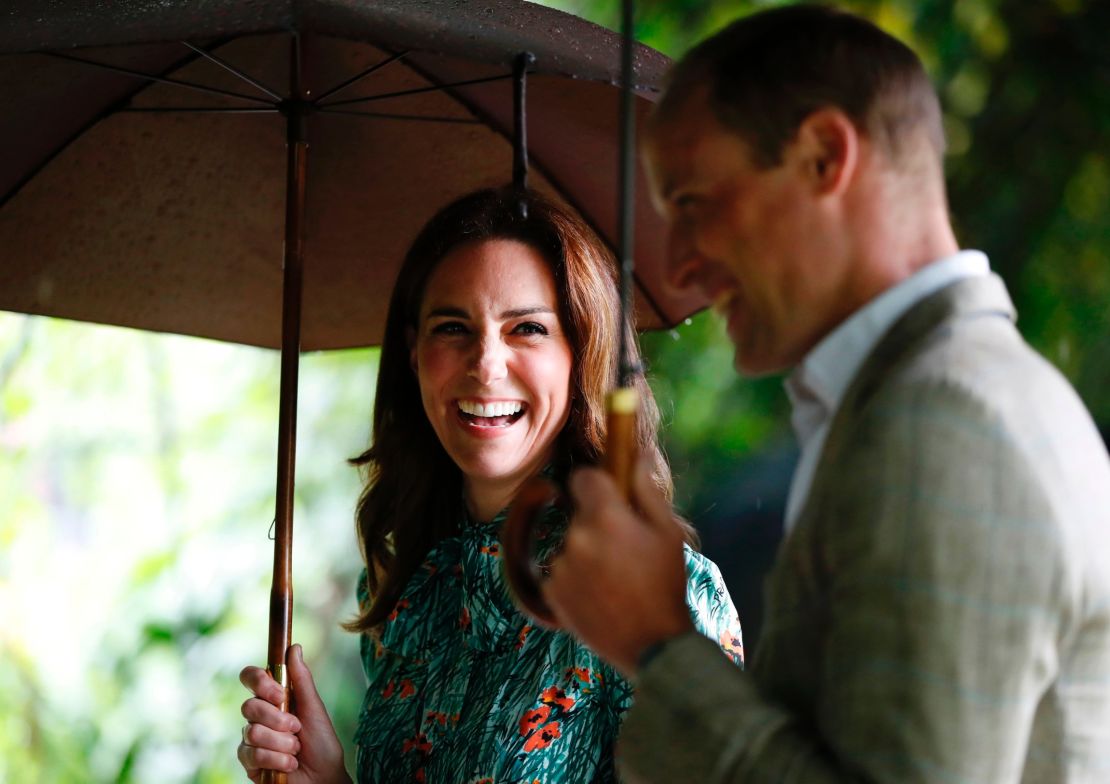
{"points": [[158, 155], [113, 210]]}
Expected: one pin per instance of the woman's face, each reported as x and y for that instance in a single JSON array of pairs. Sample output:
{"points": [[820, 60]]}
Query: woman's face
{"points": [[493, 361]]}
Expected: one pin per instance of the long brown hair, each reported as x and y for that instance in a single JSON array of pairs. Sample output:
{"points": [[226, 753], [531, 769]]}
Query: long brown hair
{"points": [[413, 492]]}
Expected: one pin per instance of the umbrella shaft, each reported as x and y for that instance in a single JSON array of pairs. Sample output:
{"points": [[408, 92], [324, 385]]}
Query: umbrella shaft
{"points": [[287, 410], [627, 179], [281, 593]]}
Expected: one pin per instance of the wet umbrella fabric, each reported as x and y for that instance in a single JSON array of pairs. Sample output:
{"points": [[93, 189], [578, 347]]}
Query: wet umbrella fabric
{"points": [[117, 211]]}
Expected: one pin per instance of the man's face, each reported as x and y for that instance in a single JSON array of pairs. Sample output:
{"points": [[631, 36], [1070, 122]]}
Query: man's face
{"points": [[748, 237]]}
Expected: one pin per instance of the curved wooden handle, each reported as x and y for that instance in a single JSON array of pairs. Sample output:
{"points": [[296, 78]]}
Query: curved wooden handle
{"points": [[620, 436], [518, 531]]}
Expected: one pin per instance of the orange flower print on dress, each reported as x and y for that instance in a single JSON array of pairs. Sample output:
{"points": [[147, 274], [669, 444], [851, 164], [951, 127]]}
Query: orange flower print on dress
{"points": [[553, 695], [419, 743], [732, 645], [536, 724], [387, 692], [464, 619], [407, 689], [401, 605], [493, 550], [533, 719], [542, 738], [581, 673], [522, 636]]}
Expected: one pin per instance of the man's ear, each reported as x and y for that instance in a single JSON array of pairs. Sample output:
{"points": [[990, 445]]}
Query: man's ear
{"points": [[828, 146], [410, 339]]}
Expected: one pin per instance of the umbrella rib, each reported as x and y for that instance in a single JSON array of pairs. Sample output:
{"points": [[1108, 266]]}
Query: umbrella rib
{"points": [[199, 110], [233, 70], [161, 79], [538, 165], [115, 106], [401, 93], [359, 76], [417, 117]]}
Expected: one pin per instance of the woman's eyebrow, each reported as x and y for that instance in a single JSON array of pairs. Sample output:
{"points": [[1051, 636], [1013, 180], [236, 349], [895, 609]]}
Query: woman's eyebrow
{"points": [[447, 312], [521, 312], [514, 313]]}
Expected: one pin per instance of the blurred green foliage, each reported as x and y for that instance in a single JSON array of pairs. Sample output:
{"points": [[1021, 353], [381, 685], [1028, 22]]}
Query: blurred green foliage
{"points": [[136, 471]]}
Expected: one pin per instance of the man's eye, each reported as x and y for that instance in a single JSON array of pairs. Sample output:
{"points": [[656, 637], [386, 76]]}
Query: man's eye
{"points": [[530, 328]]}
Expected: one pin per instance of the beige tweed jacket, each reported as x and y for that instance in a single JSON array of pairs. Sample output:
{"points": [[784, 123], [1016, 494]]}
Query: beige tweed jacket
{"points": [[941, 611]]}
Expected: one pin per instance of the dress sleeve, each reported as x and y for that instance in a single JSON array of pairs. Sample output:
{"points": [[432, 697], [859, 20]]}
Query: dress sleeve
{"points": [[711, 607]]}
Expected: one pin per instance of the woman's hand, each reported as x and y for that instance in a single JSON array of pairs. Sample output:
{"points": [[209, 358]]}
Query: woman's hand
{"points": [[305, 744]]}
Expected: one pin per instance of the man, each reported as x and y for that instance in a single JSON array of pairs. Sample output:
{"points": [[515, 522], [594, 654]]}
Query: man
{"points": [[940, 607]]}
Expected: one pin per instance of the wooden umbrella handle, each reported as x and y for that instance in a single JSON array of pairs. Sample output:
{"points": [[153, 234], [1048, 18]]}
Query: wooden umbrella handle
{"points": [[620, 437], [518, 533], [281, 623]]}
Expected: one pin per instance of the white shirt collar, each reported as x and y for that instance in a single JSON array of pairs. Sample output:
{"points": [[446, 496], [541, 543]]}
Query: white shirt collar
{"points": [[817, 385], [823, 376]]}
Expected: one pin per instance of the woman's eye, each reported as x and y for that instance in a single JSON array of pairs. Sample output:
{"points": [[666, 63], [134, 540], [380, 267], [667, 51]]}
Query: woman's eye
{"points": [[530, 328], [449, 328]]}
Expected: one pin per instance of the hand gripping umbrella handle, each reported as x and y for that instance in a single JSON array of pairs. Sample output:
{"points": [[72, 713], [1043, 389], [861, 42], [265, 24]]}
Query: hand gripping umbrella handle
{"points": [[280, 674], [518, 532]]}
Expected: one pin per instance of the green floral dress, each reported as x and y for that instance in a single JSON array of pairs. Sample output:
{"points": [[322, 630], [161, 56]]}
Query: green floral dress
{"points": [[463, 689]]}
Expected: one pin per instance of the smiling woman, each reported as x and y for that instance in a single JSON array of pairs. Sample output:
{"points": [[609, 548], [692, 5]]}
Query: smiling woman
{"points": [[494, 367], [500, 344]]}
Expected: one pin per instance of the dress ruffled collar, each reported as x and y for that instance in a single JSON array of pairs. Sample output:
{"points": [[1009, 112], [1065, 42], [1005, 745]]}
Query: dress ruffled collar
{"points": [[459, 591]]}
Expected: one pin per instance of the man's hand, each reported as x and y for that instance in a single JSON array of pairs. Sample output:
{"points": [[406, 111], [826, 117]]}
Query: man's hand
{"points": [[619, 584]]}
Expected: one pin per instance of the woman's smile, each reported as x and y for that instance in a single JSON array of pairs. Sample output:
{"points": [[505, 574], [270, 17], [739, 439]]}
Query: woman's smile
{"points": [[490, 419]]}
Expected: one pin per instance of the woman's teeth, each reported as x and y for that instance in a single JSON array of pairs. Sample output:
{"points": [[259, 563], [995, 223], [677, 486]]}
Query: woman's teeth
{"points": [[490, 409]]}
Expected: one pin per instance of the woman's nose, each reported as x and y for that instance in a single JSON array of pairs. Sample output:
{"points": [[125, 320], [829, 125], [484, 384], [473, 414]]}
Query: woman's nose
{"points": [[490, 361]]}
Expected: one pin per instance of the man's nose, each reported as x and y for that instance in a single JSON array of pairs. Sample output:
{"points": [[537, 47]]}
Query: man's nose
{"points": [[490, 360], [684, 260]]}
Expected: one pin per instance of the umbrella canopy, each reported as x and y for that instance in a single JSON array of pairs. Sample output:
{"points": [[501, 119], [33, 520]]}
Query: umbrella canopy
{"points": [[115, 210]]}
